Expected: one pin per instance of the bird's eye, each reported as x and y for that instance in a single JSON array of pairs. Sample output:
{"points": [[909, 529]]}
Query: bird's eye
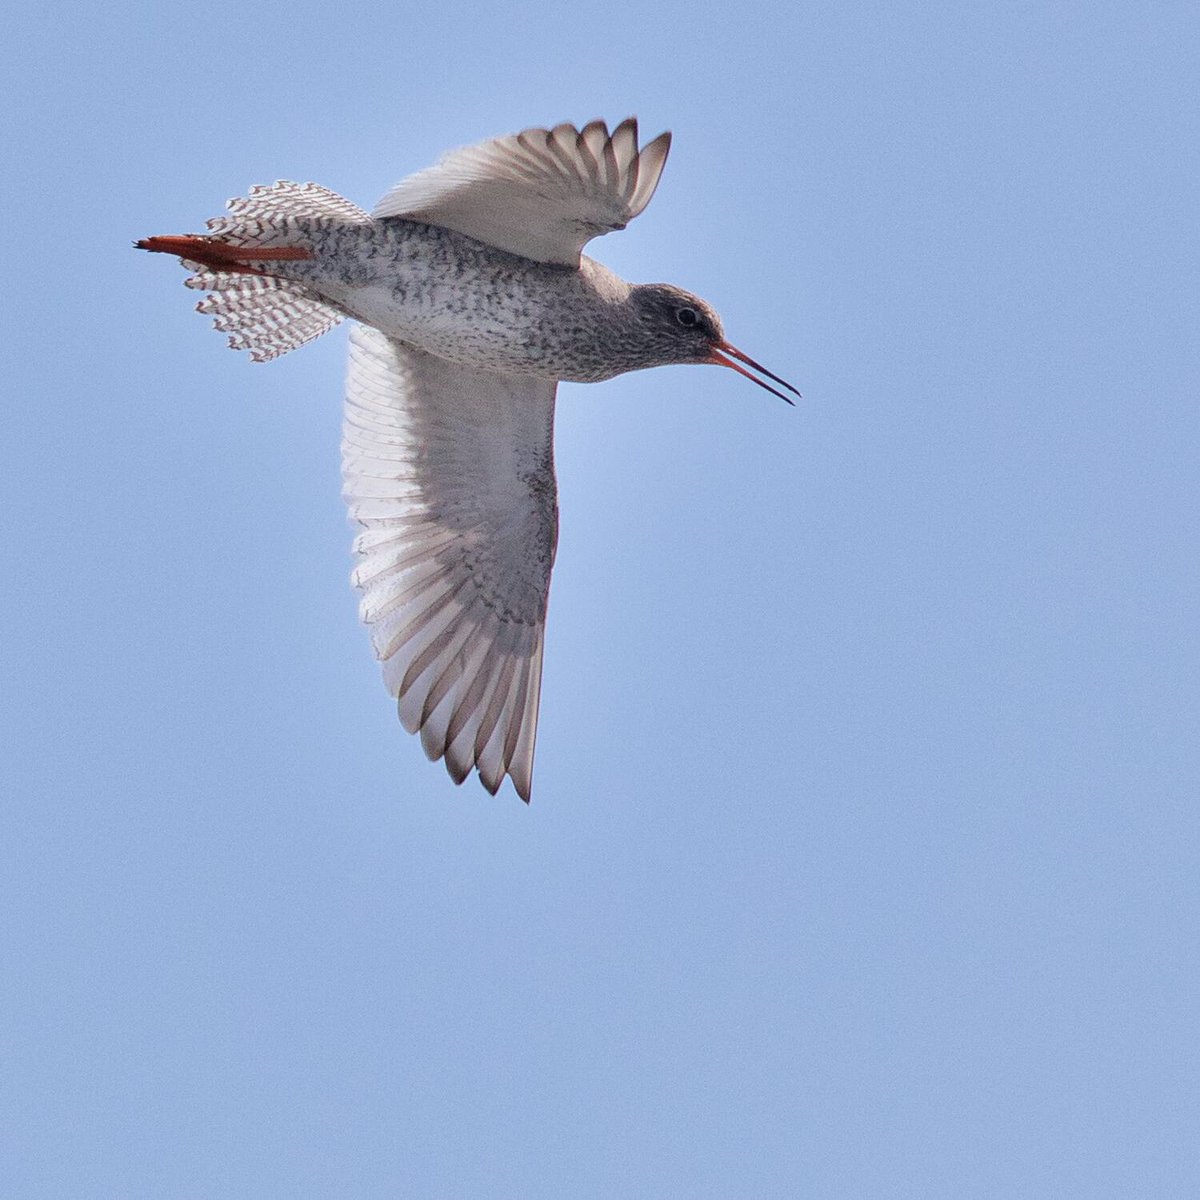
{"points": [[687, 316]]}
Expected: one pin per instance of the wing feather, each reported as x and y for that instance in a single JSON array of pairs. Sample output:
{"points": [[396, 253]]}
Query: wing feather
{"points": [[541, 193], [449, 471]]}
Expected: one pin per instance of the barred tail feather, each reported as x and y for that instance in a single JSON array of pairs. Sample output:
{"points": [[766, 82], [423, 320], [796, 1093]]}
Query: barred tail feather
{"points": [[264, 314]]}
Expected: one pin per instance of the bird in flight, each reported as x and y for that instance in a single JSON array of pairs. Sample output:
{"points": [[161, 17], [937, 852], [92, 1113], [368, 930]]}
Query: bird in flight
{"points": [[472, 300]]}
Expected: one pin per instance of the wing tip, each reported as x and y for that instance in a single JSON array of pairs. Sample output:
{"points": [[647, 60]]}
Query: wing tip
{"points": [[651, 162], [524, 789]]}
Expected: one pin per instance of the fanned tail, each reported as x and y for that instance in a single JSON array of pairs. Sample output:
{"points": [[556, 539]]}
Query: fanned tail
{"points": [[262, 313]]}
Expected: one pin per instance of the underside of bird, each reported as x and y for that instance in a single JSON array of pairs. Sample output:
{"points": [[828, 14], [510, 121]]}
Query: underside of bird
{"points": [[448, 468]]}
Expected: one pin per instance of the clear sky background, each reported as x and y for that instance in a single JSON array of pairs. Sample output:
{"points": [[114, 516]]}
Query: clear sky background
{"points": [[863, 856]]}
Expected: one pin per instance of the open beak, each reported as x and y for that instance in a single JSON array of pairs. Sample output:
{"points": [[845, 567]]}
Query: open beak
{"points": [[723, 354]]}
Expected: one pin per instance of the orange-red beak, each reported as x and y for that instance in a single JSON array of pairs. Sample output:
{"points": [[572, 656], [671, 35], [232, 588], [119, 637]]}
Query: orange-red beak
{"points": [[723, 354]]}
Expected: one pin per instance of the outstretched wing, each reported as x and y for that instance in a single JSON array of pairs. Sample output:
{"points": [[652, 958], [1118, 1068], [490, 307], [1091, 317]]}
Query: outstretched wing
{"points": [[450, 473], [542, 193]]}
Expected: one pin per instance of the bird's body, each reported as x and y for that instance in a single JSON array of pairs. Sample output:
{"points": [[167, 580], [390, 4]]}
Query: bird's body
{"points": [[473, 300], [467, 302]]}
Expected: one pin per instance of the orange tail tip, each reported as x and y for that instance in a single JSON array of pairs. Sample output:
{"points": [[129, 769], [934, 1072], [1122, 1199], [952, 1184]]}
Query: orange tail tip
{"points": [[221, 256]]}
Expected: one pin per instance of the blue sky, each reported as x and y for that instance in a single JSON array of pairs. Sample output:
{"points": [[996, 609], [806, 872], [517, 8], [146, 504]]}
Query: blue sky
{"points": [[863, 852]]}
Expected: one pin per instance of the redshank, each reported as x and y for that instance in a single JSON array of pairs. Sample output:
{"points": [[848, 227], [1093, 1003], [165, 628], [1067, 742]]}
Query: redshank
{"points": [[473, 300]]}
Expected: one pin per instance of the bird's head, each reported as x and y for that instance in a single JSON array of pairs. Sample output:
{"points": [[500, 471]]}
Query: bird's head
{"points": [[682, 328]]}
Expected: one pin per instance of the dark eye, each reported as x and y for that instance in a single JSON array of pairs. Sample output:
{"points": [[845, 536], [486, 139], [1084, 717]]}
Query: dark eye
{"points": [[687, 316]]}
